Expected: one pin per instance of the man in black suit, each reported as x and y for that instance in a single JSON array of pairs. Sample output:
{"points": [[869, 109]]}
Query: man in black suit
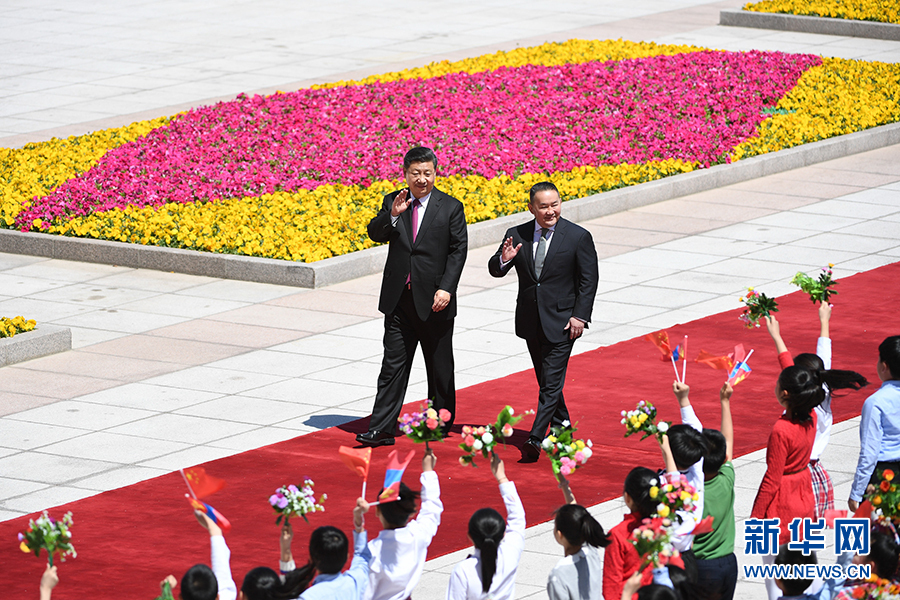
{"points": [[426, 230], [556, 263]]}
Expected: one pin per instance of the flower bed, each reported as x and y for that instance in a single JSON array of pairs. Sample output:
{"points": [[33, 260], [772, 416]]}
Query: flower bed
{"points": [[10, 327], [885, 11], [298, 176]]}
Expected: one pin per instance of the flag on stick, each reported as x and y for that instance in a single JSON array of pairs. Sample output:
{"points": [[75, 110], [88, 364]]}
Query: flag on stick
{"points": [[740, 371], [394, 474], [660, 339], [358, 460], [200, 483], [217, 517]]}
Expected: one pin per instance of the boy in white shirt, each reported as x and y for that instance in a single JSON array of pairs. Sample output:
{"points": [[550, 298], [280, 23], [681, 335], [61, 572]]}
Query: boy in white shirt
{"points": [[399, 551]]}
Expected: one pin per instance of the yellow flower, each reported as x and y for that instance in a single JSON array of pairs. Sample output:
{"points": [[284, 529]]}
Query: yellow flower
{"points": [[654, 492], [662, 510]]}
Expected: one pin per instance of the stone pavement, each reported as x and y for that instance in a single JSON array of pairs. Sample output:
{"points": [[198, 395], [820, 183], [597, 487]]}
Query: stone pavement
{"points": [[171, 370]]}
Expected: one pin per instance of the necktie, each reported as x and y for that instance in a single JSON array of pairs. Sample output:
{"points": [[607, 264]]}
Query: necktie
{"points": [[415, 217], [541, 252]]}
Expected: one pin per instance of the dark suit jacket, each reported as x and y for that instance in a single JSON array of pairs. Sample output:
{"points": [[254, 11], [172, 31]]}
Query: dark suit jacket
{"points": [[434, 262], [567, 285]]}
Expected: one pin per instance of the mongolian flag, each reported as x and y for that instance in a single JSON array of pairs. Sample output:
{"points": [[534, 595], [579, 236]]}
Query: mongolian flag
{"points": [[660, 339], [739, 373], [357, 460], [394, 474], [217, 517], [200, 483]]}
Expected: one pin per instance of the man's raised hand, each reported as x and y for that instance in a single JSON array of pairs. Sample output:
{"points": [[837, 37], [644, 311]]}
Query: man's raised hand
{"points": [[401, 203], [508, 252]]}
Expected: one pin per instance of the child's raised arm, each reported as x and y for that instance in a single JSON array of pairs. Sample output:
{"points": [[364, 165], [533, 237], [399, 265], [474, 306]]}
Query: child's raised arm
{"points": [[566, 490], [682, 390], [667, 454], [498, 469], [824, 319], [429, 460], [284, 541], [727, 425], [48, 581]]}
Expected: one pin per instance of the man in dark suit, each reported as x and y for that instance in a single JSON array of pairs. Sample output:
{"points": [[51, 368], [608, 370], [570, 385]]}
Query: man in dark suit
{"points": [[426, 230], [556, 263]]}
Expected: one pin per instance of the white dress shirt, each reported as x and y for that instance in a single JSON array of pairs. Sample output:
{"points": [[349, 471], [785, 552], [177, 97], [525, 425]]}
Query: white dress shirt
{"points": [[398, 555], [682, 535], [465, 582]]}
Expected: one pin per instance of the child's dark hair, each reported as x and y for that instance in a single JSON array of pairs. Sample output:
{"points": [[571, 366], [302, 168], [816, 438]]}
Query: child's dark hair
{"points": [[794, 587], [637, 485], [328, 549], [262, 583], [716, 451], [804, 391], [835, 379], [397, 513], [579, 527], [685, 581], [889, 354], [688, 445], [654, 591], [884, 554], [199, 583], [486, 528]]}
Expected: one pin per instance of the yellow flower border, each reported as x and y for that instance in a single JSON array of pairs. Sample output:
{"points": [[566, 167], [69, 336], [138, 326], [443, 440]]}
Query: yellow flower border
{"points": [[840, 96], [883, 11], [10, 327]]}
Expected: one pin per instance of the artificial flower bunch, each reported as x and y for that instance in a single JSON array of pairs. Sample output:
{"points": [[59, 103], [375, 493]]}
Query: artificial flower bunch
{"points": [[885, 497], [290, 501], [483, 439], [425, 425], [643, 420], [565, 452], [53, 536], [653, 541], [10, 327], [820, 289], [757, 306], [674, 493]]}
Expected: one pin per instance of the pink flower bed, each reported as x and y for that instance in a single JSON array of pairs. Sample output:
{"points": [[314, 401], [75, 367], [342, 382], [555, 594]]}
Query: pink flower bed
{"points": [[695, 107]]}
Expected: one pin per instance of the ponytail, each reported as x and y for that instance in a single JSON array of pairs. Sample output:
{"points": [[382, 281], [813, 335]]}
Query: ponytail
{"points": [[262, 583], [486, 528], [835, 379], [637, 485], [577, 525]]}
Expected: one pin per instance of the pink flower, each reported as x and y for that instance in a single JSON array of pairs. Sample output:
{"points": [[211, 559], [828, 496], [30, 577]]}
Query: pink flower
{"points": [[431, 424], [444, 415], [579, 457], [466, 430], [507, 430], [469, 441], [565, 470]]}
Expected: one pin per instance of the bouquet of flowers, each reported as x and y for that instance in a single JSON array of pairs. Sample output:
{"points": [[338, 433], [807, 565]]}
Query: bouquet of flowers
{"points": [[885, 498], [483, 439], [674, 494], [757, 306], [425, 425], [653, 541], [643, 420], [875, 589], [290, 501], [52, 535], [564, 451], [820, 289]]}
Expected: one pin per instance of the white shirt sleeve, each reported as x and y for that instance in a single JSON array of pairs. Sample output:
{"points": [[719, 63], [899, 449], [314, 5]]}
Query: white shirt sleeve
{"points": [[823, 351], [430, 513], [220, 557]]}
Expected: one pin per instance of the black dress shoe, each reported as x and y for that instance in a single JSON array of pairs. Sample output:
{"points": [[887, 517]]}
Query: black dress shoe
{"points": [[531, 451], [375, 438]]}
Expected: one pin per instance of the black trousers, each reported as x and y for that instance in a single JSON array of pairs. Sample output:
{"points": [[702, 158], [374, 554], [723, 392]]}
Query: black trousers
{"points": [[550, 362], [403, 332]]}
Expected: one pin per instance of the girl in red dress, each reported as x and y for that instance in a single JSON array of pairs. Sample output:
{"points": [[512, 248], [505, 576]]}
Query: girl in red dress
{"points": [[786, 489]]}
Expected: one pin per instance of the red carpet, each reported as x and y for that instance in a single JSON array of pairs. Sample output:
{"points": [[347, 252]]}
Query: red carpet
{"points": [[129, 539]]}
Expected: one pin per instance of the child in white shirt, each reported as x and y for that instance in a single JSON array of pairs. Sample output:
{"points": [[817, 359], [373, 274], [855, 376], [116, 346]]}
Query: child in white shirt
{"points": [[490, 572]]}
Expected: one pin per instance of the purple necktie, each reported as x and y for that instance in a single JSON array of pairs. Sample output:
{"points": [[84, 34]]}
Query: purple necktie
{"points": [[415, 217]]}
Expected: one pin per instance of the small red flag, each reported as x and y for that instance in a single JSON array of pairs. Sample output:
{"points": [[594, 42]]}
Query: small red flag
{"points": [[660, 339], [704, 526], [716, 362], [201, 483], [832, 514], [864, 511], [357, 460]]}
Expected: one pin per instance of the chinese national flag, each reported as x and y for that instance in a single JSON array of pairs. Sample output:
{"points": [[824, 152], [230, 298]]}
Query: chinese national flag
{"points": [[660, 339], [357, 460], [202, 483]]}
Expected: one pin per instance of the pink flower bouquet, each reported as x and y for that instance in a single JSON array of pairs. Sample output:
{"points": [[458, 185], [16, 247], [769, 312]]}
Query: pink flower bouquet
{"points": [[483, 439], [565, 452], [425, 425], [653, 541], [290, 501]]}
